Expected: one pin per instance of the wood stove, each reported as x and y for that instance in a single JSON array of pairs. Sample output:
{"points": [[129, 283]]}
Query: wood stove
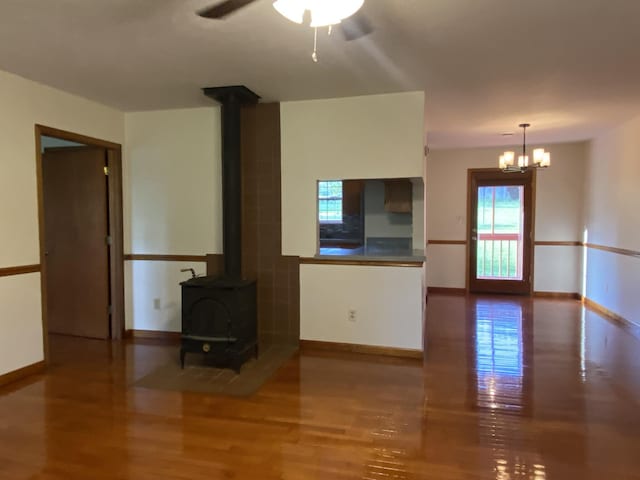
{"points": [[219, 320], [219, 315]]}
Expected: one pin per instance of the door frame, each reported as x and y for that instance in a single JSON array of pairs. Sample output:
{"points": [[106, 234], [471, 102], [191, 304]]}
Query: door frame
{"points": [[490, 173], [115, 203]]}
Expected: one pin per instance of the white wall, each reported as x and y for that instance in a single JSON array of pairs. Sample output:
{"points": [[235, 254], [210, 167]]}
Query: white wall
{"points": [[379, 136], [23, 104], [330, 292], [377, 221], [559, 212], [173, 205], [612, 219], [153, 296]]}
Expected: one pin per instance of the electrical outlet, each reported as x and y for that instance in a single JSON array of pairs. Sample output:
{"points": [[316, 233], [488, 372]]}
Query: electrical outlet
{"points": [[156, 303], [352, 315]]}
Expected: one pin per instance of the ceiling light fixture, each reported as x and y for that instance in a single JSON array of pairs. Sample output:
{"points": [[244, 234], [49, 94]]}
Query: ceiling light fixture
{"points": [[541, 158], [324, 13]]}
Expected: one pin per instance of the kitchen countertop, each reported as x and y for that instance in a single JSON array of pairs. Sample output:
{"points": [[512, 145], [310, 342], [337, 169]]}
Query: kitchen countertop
{"points": [[377, 254]]}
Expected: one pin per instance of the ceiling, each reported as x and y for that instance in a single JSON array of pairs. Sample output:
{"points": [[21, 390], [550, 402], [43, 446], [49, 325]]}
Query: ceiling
{"points": [[569, 67]]}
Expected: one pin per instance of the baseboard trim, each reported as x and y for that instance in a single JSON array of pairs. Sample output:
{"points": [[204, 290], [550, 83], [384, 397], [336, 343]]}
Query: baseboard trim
{"points": [[619, 320], [21, 373], [447, 291], [366, 349], [153, 335], [559, 295]]}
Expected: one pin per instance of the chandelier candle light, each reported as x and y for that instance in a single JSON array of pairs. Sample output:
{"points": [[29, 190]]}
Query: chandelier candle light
{"points": [[541, 158], [324, 13]]}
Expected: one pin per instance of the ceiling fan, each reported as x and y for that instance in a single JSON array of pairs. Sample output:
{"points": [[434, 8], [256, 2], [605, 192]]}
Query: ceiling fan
{"points": [[353, 27]]}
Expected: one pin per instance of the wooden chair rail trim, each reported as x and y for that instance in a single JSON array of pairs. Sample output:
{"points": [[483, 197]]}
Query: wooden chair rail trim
{"points": [[556, 243], [447, 242], [22, 269], [619, 251], [363, 263], [364, 349], [21, 373], [164, 258], [552, 243]]}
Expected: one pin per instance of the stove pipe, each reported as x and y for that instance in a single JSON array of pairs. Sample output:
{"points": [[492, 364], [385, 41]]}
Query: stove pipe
{"points": [[231, 99]]}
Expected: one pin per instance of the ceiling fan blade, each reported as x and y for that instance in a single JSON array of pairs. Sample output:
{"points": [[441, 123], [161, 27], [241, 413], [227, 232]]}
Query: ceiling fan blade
{"points": [[356, 26], [223, 9]]}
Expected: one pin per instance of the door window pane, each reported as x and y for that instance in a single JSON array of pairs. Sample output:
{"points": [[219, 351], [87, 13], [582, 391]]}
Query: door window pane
{"points": [[500, 232]]}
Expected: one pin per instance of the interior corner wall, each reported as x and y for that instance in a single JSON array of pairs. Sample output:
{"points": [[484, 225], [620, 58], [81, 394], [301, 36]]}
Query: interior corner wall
{"points": [[558, 212], [377, 136], [173, 206], [612, 220], [25, 104]]}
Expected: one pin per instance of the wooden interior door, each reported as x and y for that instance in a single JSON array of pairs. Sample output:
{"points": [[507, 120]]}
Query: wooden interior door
{"points": [[76, 250], [500, 232]]}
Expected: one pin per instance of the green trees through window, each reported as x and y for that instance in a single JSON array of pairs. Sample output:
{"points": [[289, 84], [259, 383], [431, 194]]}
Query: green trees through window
{"points": [[330, 201]]}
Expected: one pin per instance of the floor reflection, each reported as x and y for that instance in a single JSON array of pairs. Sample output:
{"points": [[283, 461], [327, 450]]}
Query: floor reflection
{"points": [[498, 355], [502, 346]]}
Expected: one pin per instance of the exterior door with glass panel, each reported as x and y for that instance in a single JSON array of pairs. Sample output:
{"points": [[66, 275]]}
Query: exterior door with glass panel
{"points": [[500, 231]]}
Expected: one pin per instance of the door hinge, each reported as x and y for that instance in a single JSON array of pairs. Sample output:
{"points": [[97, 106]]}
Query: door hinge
{"points": [[106, 170], [110, 309], [108, 240]]}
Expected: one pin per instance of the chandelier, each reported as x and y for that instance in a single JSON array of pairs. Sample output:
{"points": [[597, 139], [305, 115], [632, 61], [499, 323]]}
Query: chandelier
{"points": [[324, 13], [541, 158]]}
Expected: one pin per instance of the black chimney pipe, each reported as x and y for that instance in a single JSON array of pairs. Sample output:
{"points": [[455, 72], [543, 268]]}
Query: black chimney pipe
{"points": [[232, 99]]}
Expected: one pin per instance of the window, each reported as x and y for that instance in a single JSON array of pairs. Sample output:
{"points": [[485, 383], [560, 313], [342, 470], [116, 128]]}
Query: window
{"points": [[330, 202]]}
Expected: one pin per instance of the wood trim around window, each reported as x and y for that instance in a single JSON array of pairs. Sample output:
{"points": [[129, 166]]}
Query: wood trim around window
{"points": [[477, 177], [164, 258], [20, 270]]}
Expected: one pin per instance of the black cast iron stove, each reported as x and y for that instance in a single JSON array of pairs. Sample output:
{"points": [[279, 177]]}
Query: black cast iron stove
{"points": [[219, 315]]}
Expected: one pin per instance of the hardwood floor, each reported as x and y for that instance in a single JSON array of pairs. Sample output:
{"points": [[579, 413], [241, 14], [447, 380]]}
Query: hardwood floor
{"points": [[510, 389]]}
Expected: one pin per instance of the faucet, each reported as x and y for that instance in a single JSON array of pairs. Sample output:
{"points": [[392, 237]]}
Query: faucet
{"points": [[193, 272]]}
